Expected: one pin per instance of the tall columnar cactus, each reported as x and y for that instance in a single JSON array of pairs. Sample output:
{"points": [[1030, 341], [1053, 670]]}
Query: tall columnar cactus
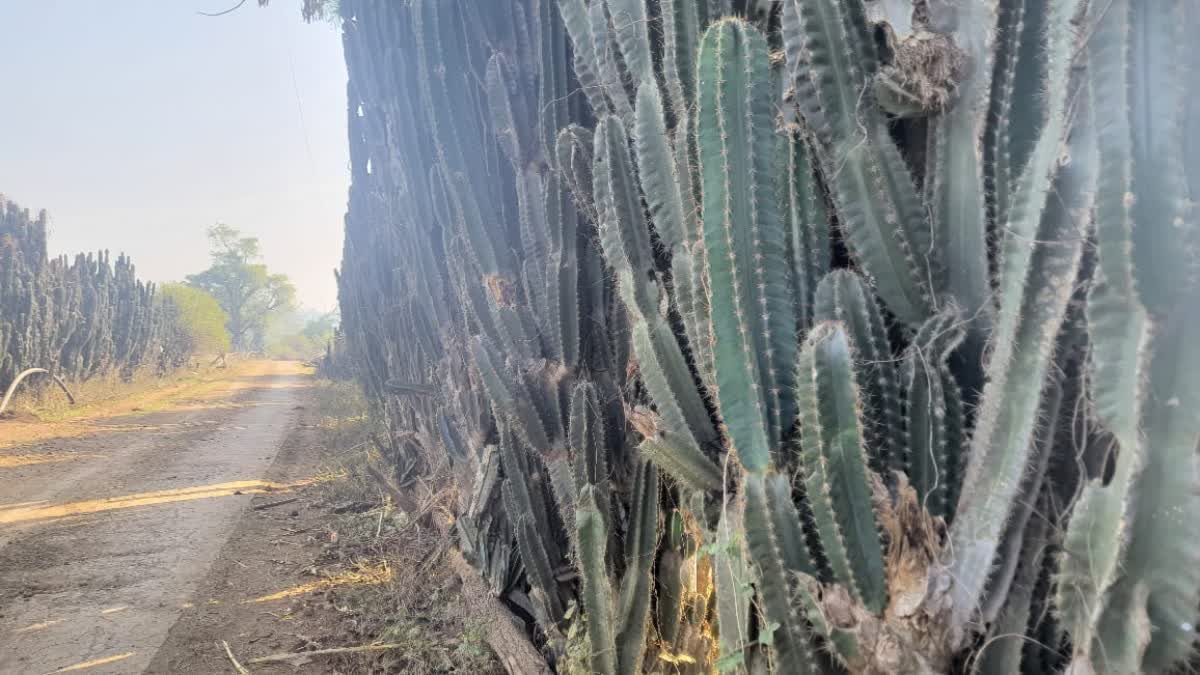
{"points": [[882, 218], [79, 318], [752, 321], [1130, 555], [874, 294]]}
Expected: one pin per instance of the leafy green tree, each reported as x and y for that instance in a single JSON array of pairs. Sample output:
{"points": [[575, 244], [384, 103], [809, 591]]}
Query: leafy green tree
{"points": [[199, 320], [320, 329], [243, 286], [306, 343]]}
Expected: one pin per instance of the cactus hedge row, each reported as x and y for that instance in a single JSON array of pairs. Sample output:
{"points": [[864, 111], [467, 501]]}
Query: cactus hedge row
{"points": [[796, 336], [79, 318]]}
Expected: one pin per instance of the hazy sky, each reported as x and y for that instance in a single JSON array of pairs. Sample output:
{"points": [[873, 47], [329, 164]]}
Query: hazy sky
{"points": [[139, 123]]}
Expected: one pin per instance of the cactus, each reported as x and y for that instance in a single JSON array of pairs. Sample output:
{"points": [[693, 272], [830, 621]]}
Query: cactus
{"points": [[633, 609], [934, 412], [881, 212], [625, 238], [841, 296], [752, 320], [766, 537], [731, 577], [1050, 198], [1110, 577], [79, 318], [808, 222], [597, 590], [835, 465], [762, 257], [669, 607]]}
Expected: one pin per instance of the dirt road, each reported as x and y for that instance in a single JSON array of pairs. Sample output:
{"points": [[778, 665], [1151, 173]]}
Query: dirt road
{"points": [[108, 527]]}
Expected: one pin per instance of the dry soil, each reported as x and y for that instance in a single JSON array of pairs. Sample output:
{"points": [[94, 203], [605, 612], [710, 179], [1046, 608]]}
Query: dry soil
{"points": [[110, 526]]}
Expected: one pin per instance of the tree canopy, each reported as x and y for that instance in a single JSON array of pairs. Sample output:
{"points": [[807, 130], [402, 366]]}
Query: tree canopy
{"points": [[243, 286], [199, 317], [304, 342]]}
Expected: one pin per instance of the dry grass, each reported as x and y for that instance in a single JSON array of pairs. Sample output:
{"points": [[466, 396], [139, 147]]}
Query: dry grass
{"points": [[103, 403], [417, 603], [145, 392]]}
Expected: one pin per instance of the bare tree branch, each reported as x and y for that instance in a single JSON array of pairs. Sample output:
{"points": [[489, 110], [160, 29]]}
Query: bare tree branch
{"points": [[222, 13]]}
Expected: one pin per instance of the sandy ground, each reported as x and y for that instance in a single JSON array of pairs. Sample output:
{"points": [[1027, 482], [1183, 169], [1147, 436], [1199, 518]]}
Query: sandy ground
{"points": [[110, 526]]}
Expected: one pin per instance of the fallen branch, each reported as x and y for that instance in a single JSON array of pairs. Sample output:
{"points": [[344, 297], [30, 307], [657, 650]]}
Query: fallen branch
{"points": [[270, 505], [12, 388], [502, 631], [224, 11], [236, 666], [301, 656]]}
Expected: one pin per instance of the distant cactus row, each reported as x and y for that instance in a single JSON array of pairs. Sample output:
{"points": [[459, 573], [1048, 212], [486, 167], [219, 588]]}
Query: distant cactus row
{"points": [[79, 319], [843, 336]]}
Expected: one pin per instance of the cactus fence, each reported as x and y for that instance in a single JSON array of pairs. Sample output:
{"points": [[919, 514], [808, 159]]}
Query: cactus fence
{"points": [[77, 318], [808, 336]]}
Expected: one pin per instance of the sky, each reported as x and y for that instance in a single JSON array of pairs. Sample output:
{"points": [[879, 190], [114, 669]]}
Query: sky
{"points": [[137, 124]]}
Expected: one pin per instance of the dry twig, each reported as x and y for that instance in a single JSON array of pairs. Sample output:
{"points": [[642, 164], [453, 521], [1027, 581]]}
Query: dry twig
{"points": [[236, 666]]}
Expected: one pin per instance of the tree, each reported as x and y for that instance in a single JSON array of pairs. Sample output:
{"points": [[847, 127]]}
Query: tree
{"points": [[199, 320], [306, 343], [245, 289]]}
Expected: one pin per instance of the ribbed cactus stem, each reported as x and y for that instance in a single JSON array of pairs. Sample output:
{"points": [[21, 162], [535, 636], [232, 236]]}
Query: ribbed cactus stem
{"points": [[510, 398], [928, 461], [1118, 544], [822, 55], [882, 218], [562, 480], [597, 590], [681, 40], [666, 375], [585, 438], [692, 265], [625, 237], [840, 486], [604, 42], [933, 411], [554, 104], [752, 319], [586, 63], [731, 577], [573, 153], [1017, 76], [955, 171], [668, 608], [624, 234], [507, 119], [679, 456], [563, 279], [790, 637], [787, 526], [657, 169], [533, 554], [665, 181], [1036, 283], [632, 28], [641, 540], [843, 296], [808, 223]]}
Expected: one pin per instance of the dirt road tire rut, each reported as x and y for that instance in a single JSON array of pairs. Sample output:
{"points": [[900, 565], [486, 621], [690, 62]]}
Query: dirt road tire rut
{"points": [[101, 553]]}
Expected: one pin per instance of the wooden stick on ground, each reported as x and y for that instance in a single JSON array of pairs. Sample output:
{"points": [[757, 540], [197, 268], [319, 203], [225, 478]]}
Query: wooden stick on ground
{"points": [[502, 630], [292, 656], [236, 666], [269, 505]]}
